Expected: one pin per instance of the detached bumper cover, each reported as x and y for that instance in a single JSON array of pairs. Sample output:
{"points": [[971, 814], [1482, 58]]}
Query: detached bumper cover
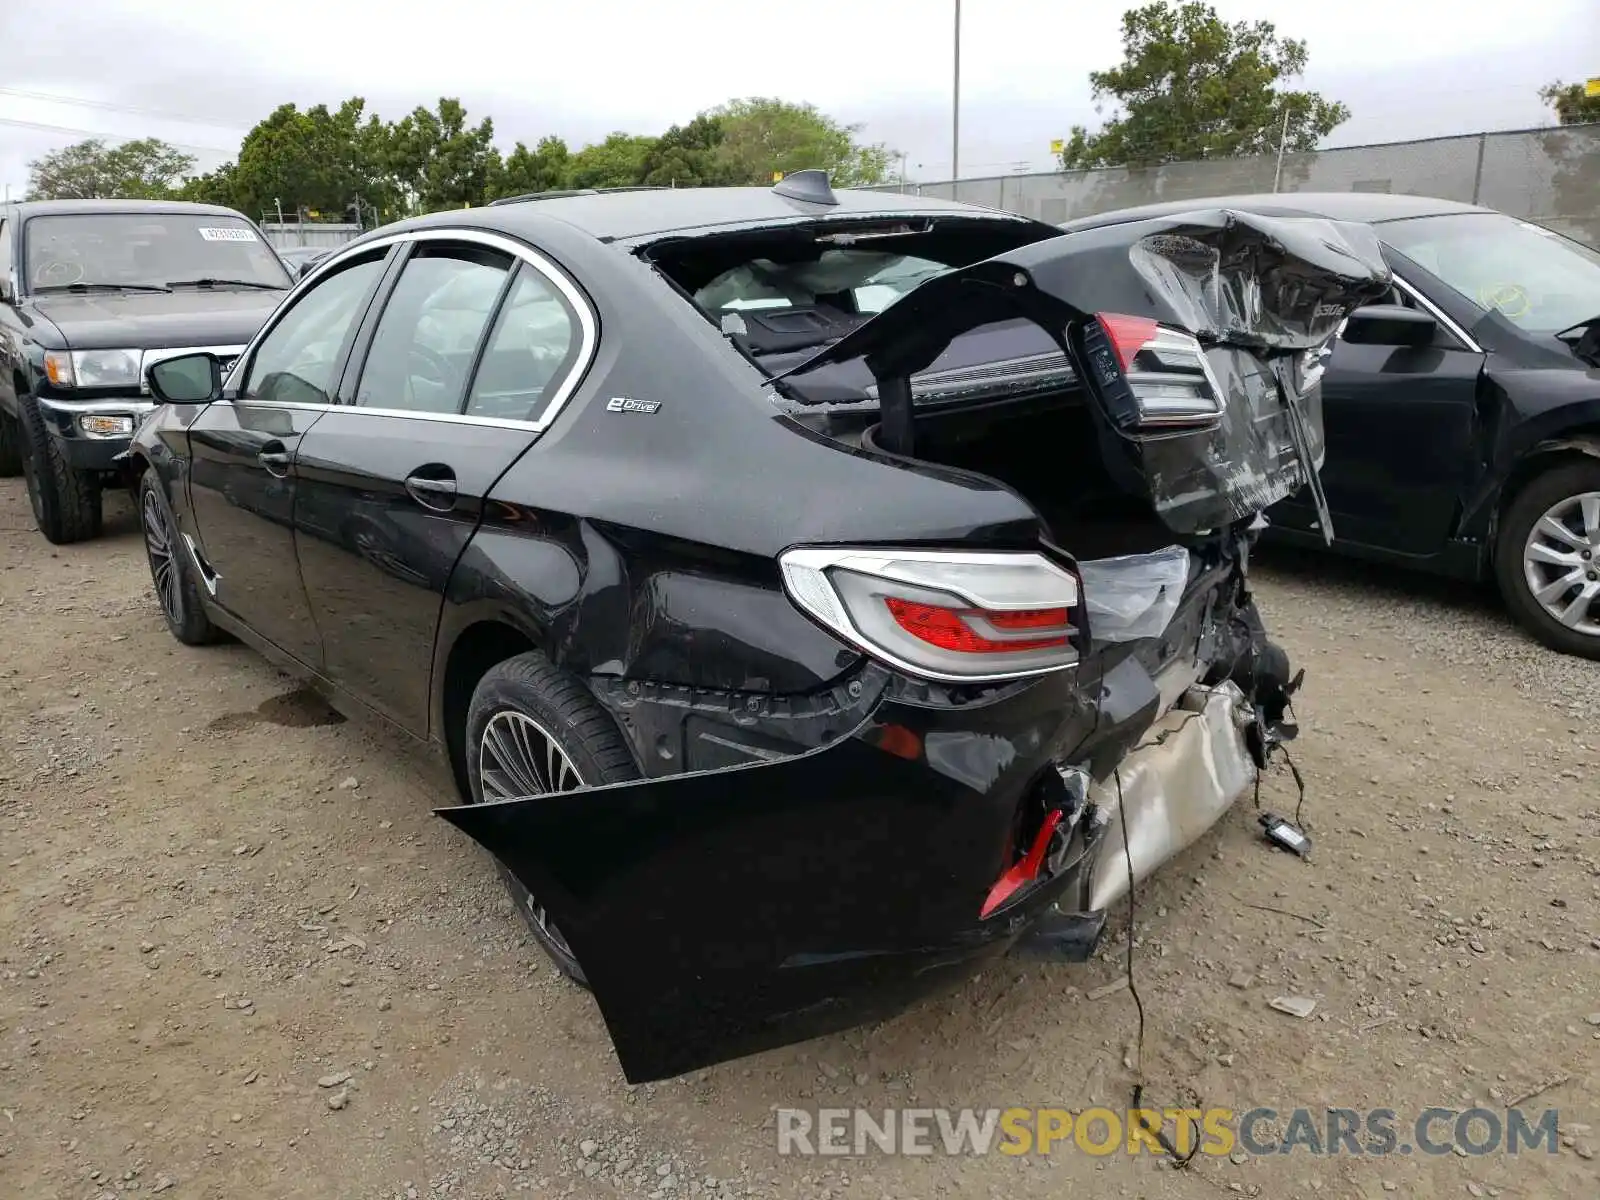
{"points": [[725, 912], [729, 911]]}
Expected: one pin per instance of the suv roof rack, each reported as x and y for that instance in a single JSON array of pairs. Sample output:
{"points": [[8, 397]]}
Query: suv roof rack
{"points": [[558, 193]]}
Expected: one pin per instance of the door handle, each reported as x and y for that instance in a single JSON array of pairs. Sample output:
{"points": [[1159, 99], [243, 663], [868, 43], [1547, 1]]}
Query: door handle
{"points": [[274, 457], [432, 492]]}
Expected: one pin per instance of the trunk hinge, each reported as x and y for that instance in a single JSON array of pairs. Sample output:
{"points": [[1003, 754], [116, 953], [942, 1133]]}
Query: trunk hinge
{"points": [[897, 432]]}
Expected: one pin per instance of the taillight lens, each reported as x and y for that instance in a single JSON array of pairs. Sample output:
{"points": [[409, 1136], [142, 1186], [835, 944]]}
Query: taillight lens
{"points": [[967, 617], [1154, 376]]}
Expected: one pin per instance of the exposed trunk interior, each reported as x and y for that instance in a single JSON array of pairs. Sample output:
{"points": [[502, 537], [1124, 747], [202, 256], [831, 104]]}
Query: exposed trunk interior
{"points": [[1046, 449]]}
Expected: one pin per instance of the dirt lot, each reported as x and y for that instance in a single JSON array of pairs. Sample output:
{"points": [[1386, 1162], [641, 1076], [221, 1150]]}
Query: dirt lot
{"points": [[215, 895]]}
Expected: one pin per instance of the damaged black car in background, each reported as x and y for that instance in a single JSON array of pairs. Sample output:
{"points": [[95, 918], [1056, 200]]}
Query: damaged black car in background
{"points": [[814, 594]]}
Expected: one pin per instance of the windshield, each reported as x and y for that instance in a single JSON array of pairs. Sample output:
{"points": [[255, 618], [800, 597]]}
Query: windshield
{"points": [[137, 250], [874, 280], [1533, 277]]}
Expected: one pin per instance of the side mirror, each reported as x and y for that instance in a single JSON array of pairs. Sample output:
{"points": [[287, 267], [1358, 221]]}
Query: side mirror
{"points": [[187, 379], [1389, 325], [305, 268]]}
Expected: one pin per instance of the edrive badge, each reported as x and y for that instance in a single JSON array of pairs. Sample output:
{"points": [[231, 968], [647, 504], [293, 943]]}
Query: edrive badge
{"points": [[623, 404]]}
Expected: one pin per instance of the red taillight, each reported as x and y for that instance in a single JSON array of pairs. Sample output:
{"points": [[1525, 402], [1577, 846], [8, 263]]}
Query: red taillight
{"points": [[957, 616], [954, 628], [1128, 335]]}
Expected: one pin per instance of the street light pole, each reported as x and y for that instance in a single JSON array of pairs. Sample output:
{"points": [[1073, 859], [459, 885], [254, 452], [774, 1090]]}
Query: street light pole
{"points": [[955, 109]]}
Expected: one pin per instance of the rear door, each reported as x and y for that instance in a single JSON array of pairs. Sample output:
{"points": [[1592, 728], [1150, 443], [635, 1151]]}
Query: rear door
{"points": [[465, 359]]}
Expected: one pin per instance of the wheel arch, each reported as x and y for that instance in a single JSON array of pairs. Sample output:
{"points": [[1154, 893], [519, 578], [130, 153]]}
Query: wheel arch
{"points": [[476, 647], [1581, 442]]}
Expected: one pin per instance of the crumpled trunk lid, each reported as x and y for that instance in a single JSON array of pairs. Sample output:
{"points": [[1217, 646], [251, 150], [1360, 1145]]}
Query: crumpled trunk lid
{"points": [[1235, 305]]}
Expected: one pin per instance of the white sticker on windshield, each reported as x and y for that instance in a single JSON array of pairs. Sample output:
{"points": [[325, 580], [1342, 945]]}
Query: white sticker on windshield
{"points": [[228, 235]]}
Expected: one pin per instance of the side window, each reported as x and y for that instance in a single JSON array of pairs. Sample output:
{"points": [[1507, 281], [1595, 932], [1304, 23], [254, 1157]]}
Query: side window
{"points": [[533, 349], [297, 361], [432, 324], [5, 250]]}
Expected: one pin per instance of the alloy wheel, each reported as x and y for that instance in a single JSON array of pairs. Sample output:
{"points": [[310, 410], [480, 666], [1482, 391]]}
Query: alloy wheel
{"points": [[1561, 562], [159, 546], [517, 757]]}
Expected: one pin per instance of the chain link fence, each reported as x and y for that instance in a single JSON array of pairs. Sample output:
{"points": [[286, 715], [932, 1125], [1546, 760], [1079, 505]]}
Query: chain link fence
{"points": [[1551, 176]]}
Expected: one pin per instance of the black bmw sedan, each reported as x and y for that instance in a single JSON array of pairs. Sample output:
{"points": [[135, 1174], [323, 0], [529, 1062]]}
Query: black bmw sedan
{"points": [[814, 594], [1463, 409]]}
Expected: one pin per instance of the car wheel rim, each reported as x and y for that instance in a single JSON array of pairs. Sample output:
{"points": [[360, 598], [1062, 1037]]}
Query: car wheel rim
{"points": [[1561, 562], [158, 545], [517, 757]]}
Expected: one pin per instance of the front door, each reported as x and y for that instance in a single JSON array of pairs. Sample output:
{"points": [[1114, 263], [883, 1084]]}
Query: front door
{"points": [[243, 448], [472, 343]]}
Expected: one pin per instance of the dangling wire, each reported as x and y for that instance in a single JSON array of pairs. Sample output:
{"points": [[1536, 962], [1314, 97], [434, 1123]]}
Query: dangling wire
{"points": [[1179, 1160]]}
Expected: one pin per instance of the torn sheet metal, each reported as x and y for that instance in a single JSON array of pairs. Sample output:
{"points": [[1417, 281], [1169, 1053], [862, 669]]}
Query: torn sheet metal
{"points": [[1278, 283], [1133, 596], [1177, 783]]}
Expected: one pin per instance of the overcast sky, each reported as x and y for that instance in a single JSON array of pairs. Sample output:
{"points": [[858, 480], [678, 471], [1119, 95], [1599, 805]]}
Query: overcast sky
{"points": [[580, 68]]}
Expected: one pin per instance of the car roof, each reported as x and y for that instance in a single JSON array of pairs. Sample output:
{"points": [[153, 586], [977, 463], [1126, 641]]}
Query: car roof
{"points": [[62, 208], [1370, 207], [646, 215]]}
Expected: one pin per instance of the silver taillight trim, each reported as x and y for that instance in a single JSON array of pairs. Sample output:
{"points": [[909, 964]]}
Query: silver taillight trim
{"points": [[810, 577], [1181, 362]]}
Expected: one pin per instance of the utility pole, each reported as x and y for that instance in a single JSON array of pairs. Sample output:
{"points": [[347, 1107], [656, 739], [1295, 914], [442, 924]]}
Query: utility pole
{"points": [[955, 109], [1283, 140]]}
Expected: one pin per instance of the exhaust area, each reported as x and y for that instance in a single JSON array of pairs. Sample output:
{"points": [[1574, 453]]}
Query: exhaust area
{"points": [[1176, 784]]}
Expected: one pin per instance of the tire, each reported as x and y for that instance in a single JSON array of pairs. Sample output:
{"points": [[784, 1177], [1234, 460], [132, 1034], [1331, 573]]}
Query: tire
{"points": [[526, 695], [171, 572], [10, 447], [66, 501], [1559, 491]]}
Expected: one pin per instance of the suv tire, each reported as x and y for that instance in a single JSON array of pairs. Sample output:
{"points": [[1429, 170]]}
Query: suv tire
{"points": [[66, 501], [1559, 490], [516, 704], [10, 447]]}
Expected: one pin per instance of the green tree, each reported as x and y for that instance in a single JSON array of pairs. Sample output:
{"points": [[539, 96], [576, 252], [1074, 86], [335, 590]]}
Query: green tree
{"points": [[145, 169], [314, 161], [687, 156], [542, 169], [761, 136], [1572, 106], [435, 160], [1192, 86], [616, 162]]}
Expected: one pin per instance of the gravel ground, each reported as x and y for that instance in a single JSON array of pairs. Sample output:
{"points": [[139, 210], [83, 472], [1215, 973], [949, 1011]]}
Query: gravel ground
{"points": [[239, 957]]}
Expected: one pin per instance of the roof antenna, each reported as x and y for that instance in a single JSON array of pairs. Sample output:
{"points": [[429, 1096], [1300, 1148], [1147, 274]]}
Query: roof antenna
{"points": [[810, 186]]}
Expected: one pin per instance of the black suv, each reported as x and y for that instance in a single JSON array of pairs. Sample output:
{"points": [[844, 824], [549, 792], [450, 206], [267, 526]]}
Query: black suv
{"points": [[92, 293]]}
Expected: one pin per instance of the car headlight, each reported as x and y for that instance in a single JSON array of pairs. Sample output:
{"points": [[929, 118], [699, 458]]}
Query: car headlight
{"points": [[94, 368]]}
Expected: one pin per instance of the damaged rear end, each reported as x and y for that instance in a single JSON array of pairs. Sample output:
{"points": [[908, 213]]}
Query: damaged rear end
{"points": [[1035, 719]]}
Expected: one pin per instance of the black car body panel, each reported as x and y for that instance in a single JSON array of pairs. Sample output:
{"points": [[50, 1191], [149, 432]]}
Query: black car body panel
{"points": [[817, 829]]}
